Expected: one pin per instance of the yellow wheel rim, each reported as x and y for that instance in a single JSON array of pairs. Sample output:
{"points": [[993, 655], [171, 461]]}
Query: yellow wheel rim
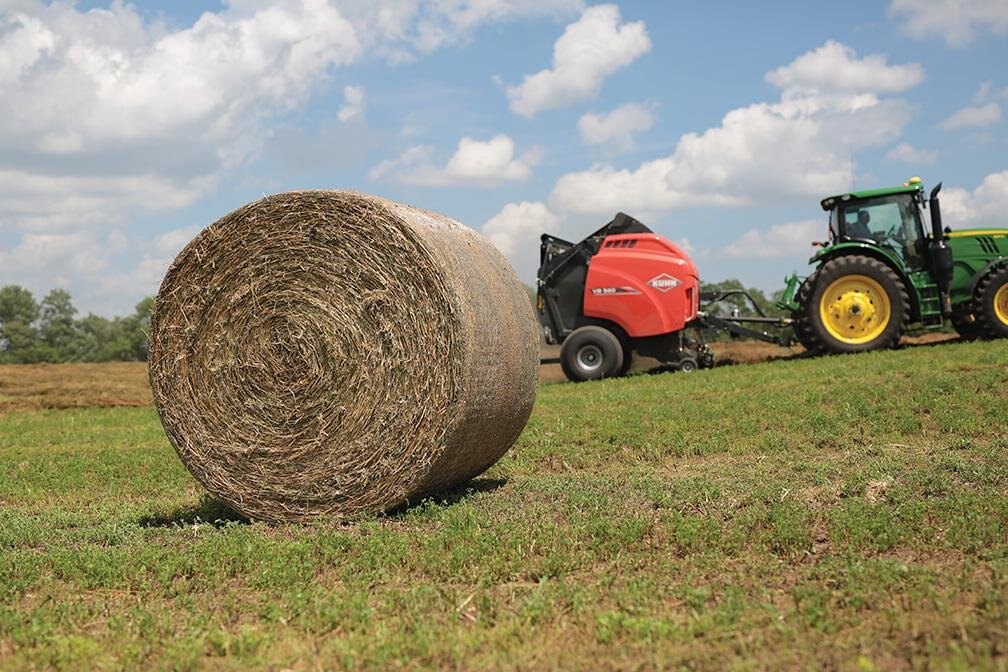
{"points": [[855, 309], [1001, 303]]}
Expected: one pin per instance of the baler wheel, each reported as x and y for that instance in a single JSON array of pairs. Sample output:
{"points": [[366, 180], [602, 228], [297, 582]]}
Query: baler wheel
{"points": [[687, 365], [855, 304], [628, 360], [591, 353], [991, 304]]}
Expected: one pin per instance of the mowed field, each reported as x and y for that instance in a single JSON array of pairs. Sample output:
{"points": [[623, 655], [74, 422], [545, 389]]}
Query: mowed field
{"points": [[832, 513]]}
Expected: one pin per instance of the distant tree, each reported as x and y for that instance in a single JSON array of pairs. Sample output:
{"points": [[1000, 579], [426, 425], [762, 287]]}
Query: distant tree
{"points": [[58, 334], [135, 329], [18, 337], [98, 339], [17, 305], [116, 340]]}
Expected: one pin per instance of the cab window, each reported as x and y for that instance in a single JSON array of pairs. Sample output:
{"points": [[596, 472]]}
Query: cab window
{"points": [[888, 221]]}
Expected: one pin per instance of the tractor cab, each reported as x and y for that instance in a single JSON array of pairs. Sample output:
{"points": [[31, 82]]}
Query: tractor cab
{"points": [[890, 219]]}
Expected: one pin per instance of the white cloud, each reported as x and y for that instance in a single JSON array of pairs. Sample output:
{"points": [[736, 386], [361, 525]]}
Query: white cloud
{"points": [[150, 269], [105, 114], [488, 162], [779, 241], [170, 243], [400, 167], [972, 117], [616, 128], [353, 105], [604, 190], [106, 76], [475, 162], [836, 67], [796, 148], [910, 154], [102, 114], [983, 91], [517, 227], [43, 203], [590, 49], [984, 206], [956, 21], [400, 29], [43, 261]]}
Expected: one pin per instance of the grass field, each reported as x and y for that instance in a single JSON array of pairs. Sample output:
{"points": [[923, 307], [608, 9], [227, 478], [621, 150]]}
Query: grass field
{"points": [[835, 513]]}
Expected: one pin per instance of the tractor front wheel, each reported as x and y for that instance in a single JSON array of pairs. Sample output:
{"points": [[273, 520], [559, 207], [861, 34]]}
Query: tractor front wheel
{"points": [[991, 304], [856, 304], [591, 353]]}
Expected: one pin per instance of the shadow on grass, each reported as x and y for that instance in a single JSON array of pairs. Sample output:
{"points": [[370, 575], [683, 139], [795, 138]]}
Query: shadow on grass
{"points": [[451, 497], [209, 511]]}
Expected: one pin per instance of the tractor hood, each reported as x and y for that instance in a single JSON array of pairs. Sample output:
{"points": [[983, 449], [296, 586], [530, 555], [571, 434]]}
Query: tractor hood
{"points": [[965, 233]]}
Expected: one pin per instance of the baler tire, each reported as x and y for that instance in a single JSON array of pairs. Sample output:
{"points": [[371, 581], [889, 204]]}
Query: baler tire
{"points": [[583, 346], [628, 357], [991, 304], [853, 267]]}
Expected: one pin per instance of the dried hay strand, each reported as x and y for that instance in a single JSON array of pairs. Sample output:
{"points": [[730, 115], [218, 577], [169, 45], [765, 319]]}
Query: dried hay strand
{"points": [[325, 353]]}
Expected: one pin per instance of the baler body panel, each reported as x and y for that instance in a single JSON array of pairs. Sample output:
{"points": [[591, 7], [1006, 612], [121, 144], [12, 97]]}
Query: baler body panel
{"points": [[644, 283]]}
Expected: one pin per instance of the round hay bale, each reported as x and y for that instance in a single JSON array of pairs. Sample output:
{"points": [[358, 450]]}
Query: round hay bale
{"points": [[324, 353]]}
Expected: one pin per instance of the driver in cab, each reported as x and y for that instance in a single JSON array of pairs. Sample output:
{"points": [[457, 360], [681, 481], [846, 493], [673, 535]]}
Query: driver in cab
{"points": [[859, 229]]}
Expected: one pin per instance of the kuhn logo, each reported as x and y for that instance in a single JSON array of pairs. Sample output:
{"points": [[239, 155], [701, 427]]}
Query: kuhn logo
{"points": [[663, 282]]}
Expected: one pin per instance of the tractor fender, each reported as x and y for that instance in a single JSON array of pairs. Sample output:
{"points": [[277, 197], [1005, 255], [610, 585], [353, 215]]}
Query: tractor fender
{"points": [[846, 249], [979, 275]]}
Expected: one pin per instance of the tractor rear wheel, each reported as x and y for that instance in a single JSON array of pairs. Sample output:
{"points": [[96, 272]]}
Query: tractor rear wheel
{"points": [[591, 353], [802, 326], [855, 304], [991, 304]]}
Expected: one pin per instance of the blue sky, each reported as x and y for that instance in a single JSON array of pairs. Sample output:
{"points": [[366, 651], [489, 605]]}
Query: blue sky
{"points": [[127, 127]]}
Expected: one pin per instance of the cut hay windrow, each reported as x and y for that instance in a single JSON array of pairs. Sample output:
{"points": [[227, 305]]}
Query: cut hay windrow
{"points": [[325, 353]]}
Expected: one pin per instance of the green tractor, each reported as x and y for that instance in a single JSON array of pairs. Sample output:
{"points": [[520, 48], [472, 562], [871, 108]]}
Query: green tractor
{"points": [[880, 271]]}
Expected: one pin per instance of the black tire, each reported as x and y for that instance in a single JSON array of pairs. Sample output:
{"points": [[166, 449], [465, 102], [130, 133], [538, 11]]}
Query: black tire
{"points": [[966, 326], [810, 326], [687, 365], [802, 327], [628, 357], [591, 353], [990, 304]]}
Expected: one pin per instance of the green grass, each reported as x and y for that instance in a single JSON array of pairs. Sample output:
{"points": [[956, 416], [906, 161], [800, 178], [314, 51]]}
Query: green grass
{"points": [[845, 512]]}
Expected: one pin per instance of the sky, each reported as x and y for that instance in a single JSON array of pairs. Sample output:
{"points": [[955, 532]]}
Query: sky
{"points": [[125, 128]]}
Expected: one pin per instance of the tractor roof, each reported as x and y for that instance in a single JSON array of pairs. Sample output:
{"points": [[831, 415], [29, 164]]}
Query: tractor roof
{"points": [[908, 188]]}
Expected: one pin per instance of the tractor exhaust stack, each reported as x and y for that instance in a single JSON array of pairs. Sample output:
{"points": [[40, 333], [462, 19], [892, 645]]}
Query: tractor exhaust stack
{"points": [[940, 254]]}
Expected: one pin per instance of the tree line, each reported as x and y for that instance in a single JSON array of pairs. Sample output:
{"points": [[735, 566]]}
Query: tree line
{"points": [[50, 331]]}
